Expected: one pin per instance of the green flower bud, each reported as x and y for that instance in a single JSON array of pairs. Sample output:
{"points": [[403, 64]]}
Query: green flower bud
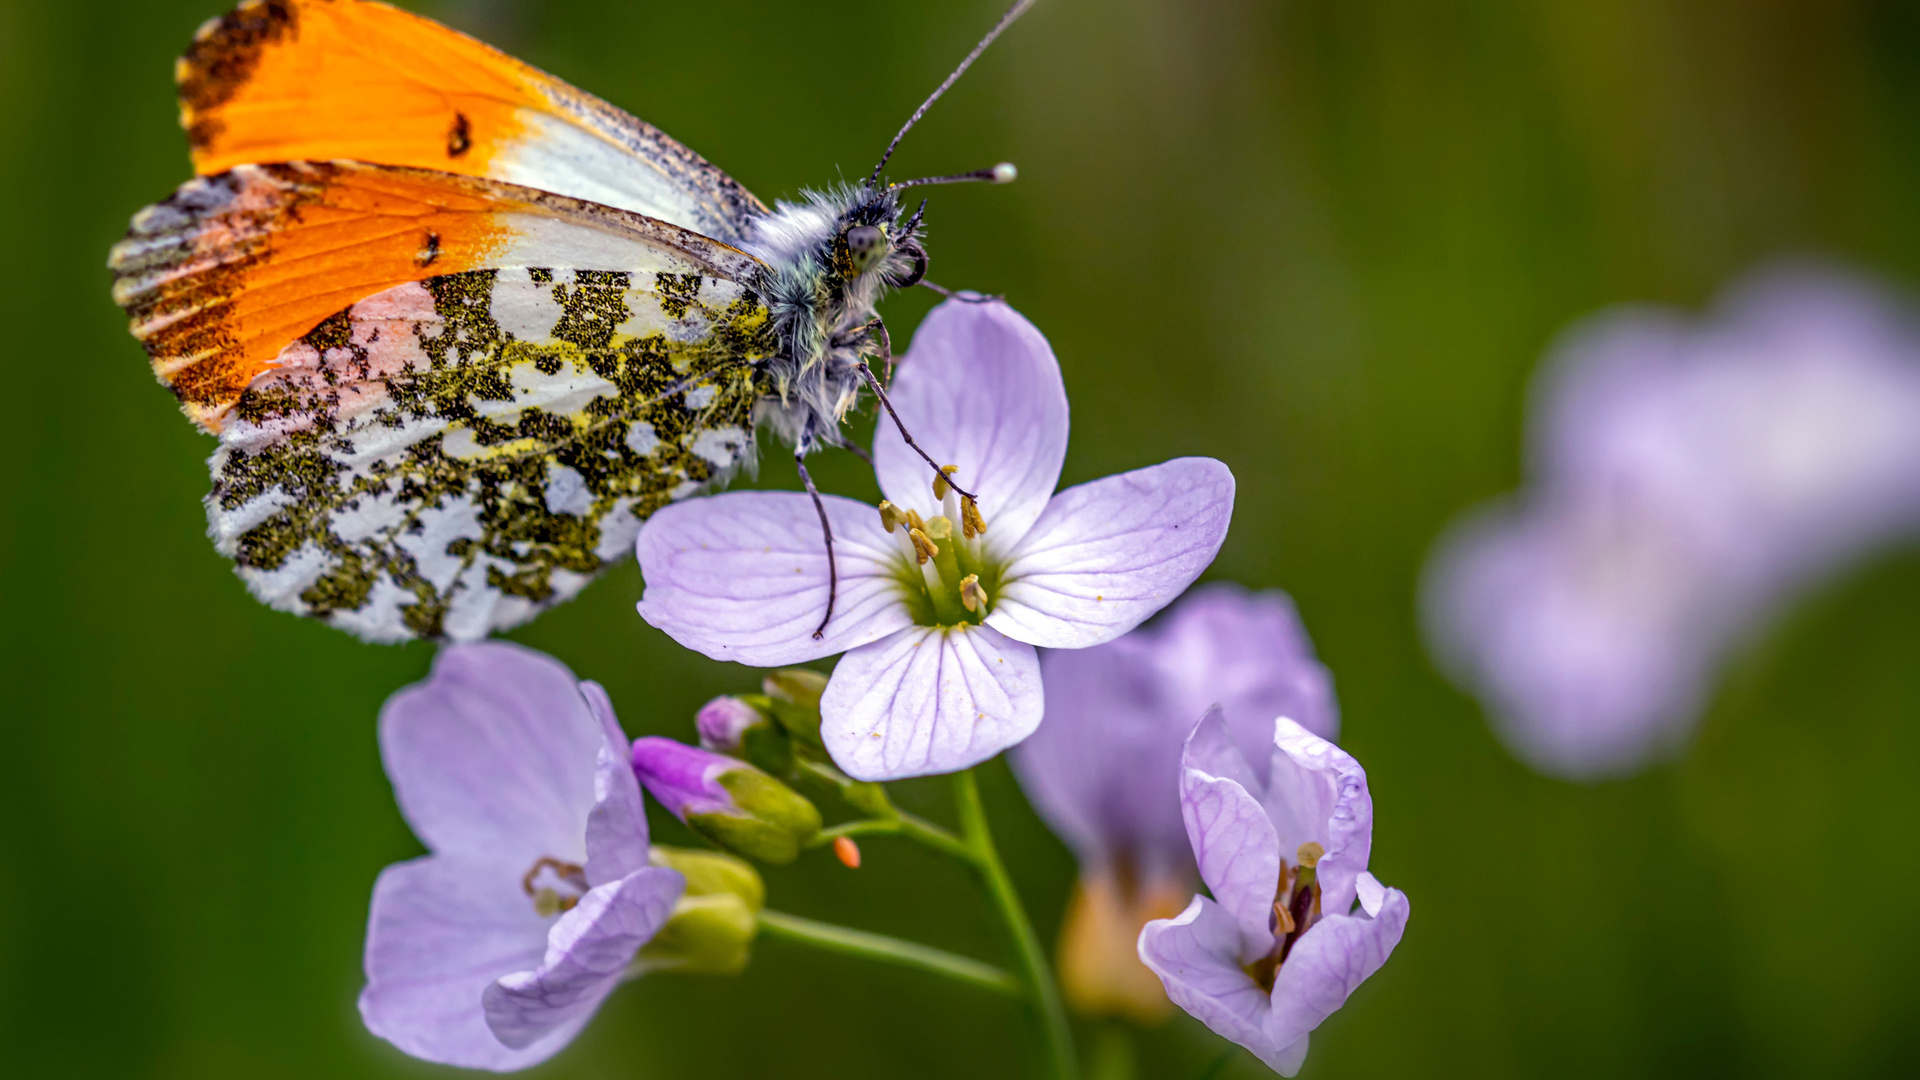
{"points": [[794, 694], [713, 924]]}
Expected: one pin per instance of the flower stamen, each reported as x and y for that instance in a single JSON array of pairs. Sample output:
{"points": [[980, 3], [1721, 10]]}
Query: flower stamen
{"points": [[558, 889], [923, 546], [890, 516], [940, 484], [971, 523], [972, 595]]}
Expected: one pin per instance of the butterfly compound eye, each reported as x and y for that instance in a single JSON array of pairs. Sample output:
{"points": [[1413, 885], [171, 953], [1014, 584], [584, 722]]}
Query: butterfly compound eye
{"points": [[866, 245]]}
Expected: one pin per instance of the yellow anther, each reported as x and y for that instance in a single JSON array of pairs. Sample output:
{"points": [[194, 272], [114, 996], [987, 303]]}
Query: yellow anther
{"points": [[1309, 855], [915, 521], [890, 515], [923, 546], [940, 528], [1282, 918], [971, 523], [972, 596], [940, 485]]}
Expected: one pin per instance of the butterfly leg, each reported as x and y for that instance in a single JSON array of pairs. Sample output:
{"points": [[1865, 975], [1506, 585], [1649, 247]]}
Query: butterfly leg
{"points": [[880, 392], [965, 296], [826, 530]]}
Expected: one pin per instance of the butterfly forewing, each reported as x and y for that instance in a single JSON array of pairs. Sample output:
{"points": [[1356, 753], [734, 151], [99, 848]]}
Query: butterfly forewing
{"points": [[319, 80], [453, 455]]}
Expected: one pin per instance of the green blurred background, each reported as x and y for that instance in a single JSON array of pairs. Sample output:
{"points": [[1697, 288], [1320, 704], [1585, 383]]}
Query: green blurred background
{"points": [[1323, 240]]}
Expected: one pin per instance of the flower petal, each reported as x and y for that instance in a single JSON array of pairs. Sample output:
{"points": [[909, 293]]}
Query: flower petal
{"points": [[929, 700], [617, 825], [493, 754], [1329, 962], [1196, 956], [1238, 852], [1104, 767], [979, 389], [1250, 653], [1106, 555], [442, 929], [1318, 792], [743, 576], [588, 950]]}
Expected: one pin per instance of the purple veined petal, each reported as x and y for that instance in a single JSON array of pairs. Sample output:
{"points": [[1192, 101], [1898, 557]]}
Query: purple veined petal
{"points": [[979, 389], [493, 754], [1196, 956], [1318, 792], [1104, 767], [742, 576], [1248, 652], [1329, 962], [1237, 851], [588, 950], [617, 825], [441, 930], [1212, 748], [929, 700], [1106, 555]]}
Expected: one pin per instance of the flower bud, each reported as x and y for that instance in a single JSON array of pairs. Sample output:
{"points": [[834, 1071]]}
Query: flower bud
{"points": [[713, 923], [723, 724], [729, 802], [794, 695]]}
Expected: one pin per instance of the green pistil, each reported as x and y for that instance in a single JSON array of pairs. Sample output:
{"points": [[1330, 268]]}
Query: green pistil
{"points": [[939, 601]]}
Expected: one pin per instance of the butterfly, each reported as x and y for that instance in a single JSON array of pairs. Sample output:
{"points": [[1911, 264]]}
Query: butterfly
{"points": [[460, 327]]}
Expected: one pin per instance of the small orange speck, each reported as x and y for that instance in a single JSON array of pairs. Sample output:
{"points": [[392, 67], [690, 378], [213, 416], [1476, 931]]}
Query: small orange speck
{"points": [[848, 851], [1100, 598]]}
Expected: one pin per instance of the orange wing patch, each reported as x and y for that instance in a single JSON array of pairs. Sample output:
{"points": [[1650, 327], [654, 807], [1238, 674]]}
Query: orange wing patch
{"points": [[283, 80], [223, 275], [322, 80]]}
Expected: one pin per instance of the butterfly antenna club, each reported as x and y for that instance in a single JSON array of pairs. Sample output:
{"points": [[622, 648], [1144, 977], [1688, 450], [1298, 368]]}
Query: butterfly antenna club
{"points": [[1006, 20]]}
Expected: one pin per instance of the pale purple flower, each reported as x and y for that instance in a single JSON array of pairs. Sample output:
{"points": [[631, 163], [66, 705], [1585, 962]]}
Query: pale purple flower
{"points": [[723, 723], [1295, 923], [1104, 767], [1689, 476], [495, 949], [940, 674]]}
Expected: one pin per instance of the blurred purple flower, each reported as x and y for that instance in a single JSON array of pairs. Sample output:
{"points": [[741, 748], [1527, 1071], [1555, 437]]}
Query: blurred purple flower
{"points": [[940, 671], [1280, 945], [1688, 477], [1104, 767], [495, 949]]}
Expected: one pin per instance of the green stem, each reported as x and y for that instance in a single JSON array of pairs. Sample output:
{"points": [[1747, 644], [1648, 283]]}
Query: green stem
{"points": [[916, 829], [1026, 944], [887, 950]]}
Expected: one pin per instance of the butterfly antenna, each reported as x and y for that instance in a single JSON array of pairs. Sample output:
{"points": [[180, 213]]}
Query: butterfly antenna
{"points": [[1014, 12]]}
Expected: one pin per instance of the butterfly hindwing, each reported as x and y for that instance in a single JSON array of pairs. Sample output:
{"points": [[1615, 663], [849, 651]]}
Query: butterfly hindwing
{"points": [[451, 456], [321, 80]]}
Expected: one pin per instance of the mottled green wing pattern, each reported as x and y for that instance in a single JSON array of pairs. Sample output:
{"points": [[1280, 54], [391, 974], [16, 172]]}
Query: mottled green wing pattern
{"points": [[450, 457]]}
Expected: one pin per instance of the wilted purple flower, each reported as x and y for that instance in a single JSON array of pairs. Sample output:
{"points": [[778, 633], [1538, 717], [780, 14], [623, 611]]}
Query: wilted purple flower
{"points": [[1687, 478], [493, 951], [937, 619], [1296, 923], [726, 800], [1104, 767]]}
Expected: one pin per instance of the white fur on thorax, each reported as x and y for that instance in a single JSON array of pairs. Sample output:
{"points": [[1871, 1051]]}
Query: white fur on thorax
{"points": [[815, 382]]}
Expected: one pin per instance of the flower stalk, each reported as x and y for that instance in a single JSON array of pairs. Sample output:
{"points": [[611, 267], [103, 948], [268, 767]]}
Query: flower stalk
{"points": [[887, 950], [1042, 991]]}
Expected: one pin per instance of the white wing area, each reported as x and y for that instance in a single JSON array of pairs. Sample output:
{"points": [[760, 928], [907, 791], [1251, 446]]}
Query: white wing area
{"points": [[450, 457]]}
